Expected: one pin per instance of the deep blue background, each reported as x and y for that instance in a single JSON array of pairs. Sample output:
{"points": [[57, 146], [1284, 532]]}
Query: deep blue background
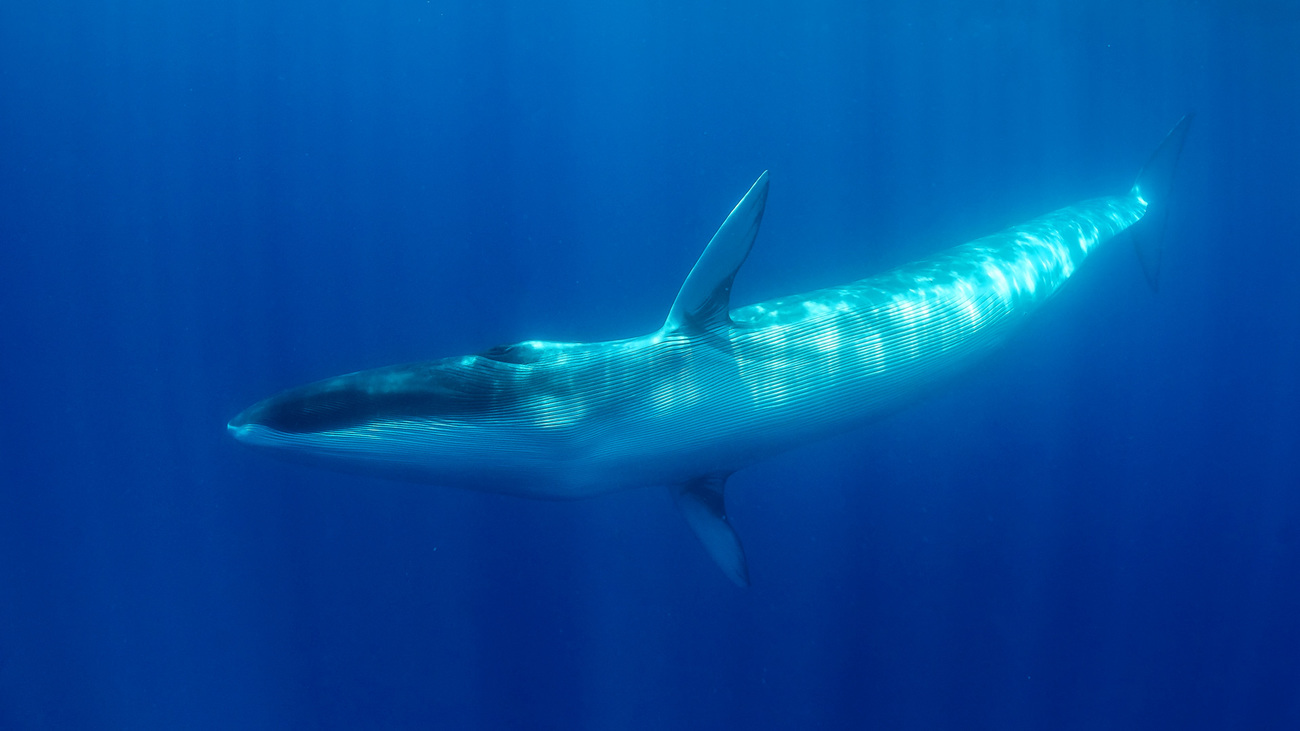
{"points": [[203, 203]]}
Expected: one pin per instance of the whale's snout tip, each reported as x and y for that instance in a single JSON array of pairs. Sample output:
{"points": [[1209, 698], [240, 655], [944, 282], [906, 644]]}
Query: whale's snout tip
{"points": [[239, 427]]}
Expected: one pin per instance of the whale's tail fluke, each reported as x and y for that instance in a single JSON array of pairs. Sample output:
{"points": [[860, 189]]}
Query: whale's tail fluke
{"points": [[1152, 187]]}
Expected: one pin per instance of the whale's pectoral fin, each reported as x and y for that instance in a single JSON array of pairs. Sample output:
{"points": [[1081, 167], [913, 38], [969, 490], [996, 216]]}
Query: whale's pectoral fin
{"points": [[701, 503], [703, 303]]}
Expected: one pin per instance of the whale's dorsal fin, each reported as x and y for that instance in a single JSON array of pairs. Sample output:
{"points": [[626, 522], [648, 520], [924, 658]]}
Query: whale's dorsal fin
{"points": [[701, 503], [703, 303]]}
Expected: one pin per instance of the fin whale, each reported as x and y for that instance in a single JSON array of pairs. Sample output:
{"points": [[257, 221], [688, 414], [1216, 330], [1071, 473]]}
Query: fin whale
{"points": [[715, 388]]}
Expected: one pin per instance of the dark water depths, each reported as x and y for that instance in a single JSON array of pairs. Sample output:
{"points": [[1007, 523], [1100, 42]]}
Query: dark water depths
{"points": [[202, 204]]}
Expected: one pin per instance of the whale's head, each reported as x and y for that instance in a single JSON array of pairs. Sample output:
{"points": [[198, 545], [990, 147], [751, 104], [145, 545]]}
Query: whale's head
{"points": [[437, 421]]}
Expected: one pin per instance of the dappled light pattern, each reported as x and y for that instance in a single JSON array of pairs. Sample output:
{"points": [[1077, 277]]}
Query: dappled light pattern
{"points": [[913, 321]]}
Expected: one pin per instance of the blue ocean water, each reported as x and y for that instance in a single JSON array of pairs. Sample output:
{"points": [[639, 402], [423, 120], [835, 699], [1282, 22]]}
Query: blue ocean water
{"points": [[204, 203]]}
